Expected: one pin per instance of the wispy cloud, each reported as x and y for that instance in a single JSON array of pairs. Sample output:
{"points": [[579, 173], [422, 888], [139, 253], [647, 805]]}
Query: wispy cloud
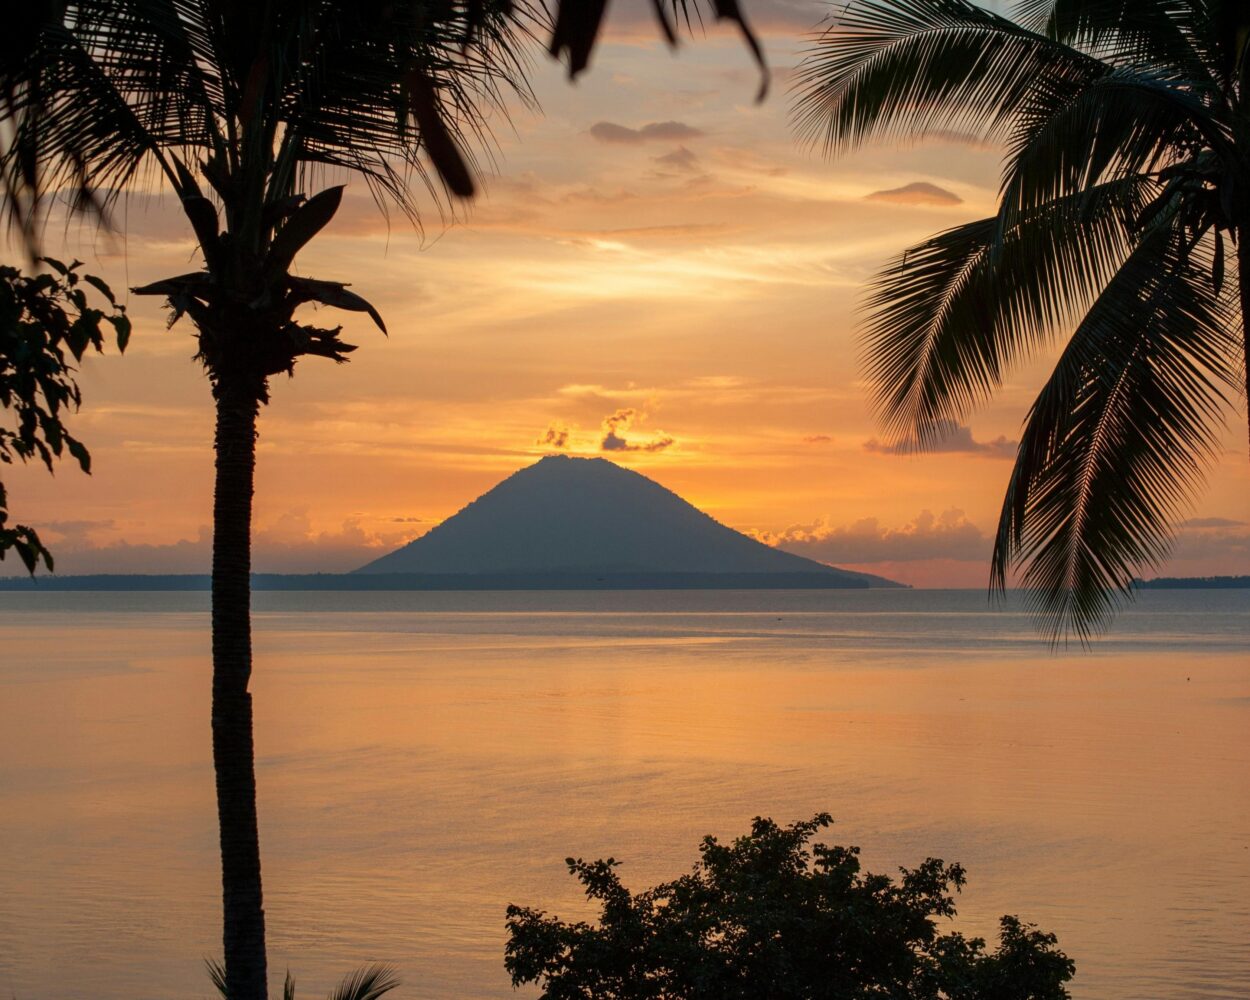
{"points": [[679, 159], [287, 545], [1219, 540], [917, 193], [953, 439], [670, 131], [949, 535]]}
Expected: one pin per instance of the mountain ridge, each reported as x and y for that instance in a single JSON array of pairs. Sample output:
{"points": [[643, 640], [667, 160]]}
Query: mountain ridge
{"points": [[576, 516]]}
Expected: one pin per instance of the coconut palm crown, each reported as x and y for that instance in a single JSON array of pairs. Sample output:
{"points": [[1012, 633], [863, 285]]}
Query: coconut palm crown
{"points": [[237, 107], [1125, 190]]}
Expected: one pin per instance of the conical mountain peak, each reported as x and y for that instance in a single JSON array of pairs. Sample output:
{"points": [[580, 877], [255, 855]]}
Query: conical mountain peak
{"points": [[569, 515]]}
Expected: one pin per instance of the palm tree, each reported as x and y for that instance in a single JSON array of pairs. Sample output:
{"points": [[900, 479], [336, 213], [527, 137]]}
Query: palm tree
{"points": [[1125, 180], [237, 107]]}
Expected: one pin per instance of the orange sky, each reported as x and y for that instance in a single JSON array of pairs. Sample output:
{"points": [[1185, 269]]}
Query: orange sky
{"points": [[655, 246]]}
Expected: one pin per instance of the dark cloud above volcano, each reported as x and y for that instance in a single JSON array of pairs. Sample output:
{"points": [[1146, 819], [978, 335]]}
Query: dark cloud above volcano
{"points": [[614, 439], [556, 436]]}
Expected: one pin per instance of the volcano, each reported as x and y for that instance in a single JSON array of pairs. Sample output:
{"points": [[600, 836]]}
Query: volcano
{"points": [[592, 519]]}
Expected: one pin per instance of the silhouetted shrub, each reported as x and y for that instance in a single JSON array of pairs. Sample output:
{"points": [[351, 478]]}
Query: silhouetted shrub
{"points": [[764, 918]]}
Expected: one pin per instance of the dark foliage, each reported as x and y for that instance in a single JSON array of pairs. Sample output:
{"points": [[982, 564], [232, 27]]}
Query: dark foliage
{"points": [[45, 321], [369, 982], [577, 24], [764, 918], [1125, 187], [240, 109]]}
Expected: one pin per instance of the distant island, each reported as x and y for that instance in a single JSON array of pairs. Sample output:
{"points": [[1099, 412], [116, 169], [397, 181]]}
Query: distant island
{"points": [[1194, 583], [560, 524], [588, 518], [441, 581]]}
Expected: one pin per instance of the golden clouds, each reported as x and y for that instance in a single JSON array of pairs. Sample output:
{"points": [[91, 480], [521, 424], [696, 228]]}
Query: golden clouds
{"points": [[916, 193], [658, 271], [950, 438], [289, 544]]}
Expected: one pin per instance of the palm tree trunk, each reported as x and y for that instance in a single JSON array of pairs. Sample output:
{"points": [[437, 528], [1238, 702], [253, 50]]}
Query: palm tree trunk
{"points": [[1243, 281], [233, 754]]}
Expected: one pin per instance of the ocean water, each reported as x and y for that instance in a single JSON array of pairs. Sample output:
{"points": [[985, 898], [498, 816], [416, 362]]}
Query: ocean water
{"points": [[425, 759]]}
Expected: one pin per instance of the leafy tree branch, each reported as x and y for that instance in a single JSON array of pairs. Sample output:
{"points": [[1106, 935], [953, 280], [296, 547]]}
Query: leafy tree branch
{"points": [[767, 916], [47, 324]]}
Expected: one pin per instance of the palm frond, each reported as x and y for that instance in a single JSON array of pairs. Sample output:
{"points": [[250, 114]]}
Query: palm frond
{"points": [[348, 100], [1070, 135], [1122, 165], [367, 983], [1219, 31], [91, 99], [950, 316], [217, 973], [158, 58], [898, 67], [1154, 33], [1120, 437], [107, 89], [576, 24]]}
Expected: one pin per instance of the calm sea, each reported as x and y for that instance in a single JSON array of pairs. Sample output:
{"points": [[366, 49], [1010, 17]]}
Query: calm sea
{"points": [[425, 759]]}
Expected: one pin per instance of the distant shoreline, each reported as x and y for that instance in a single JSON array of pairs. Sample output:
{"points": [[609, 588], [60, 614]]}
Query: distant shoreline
{"points": [[191, 582], [1194, 583], [449, 582]]}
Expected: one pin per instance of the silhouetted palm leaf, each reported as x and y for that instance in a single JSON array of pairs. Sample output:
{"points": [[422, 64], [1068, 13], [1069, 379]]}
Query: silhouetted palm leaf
{"points": [[99, 90], [1124, 122], [906, 67], [109, 87], [950, 316], [369, 982], [1124, 127], [577, 23], [1117, 442], [1144, 32], [217, 973]]}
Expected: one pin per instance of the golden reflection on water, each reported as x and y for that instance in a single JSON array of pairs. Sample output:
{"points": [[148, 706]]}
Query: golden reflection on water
{"points": [[419, 772]]}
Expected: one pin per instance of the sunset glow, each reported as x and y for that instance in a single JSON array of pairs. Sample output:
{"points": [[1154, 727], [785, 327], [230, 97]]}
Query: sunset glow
{"points": [[782, 530], [656, 264]]}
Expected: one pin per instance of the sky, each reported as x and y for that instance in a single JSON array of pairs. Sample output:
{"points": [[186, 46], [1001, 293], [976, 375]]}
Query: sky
{"points": [[658, 272]]}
